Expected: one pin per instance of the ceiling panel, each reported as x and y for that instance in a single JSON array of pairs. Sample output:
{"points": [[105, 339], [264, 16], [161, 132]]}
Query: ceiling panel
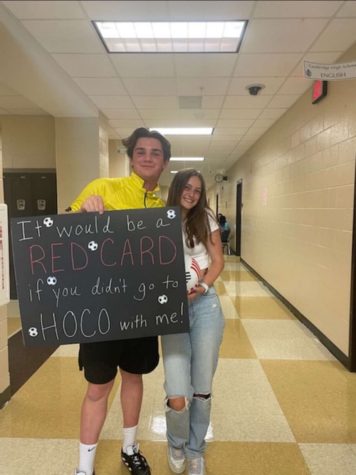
{"points": [[150, 86], [177, 89], [281, 36], [126, 11], [45, 9], [213, 65], [264, 65], [101, 86], [338, 36], [86, 65], [296, 8], [65, 36], [143, 65]]}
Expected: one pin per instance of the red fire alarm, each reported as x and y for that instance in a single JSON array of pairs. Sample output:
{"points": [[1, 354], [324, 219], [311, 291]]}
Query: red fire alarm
{"points": [[320, 89]]}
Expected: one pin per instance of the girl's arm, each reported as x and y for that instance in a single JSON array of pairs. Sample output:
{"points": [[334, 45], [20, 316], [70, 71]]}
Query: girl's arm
{"points": [[216, 266]]}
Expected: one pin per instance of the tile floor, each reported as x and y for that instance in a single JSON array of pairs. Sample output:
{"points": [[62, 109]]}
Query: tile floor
{"points": [[282, 404]]}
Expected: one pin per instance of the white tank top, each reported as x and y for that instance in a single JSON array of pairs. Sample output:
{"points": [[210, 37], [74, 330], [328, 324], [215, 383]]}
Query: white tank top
{"points": [[199, 251]]}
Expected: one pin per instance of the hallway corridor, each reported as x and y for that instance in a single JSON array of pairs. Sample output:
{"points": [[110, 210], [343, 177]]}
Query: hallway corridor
{"points": [[283, 405]]}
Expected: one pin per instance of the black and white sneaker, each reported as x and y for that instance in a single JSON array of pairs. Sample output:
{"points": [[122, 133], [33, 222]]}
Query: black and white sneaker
{"points": [[81, 473], [135, 461]]}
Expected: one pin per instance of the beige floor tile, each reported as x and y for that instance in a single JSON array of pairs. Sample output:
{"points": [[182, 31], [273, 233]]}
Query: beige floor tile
{"points": [[13, 309], [330, 459], [317, 397], [66, 350], [237, 275], [244, 405], [13, 326], [220, 287], [247, 289], [228, 307], [24, 456], [255, 459], [284, 339], [235, 342], [261, 307], [48, 405]]}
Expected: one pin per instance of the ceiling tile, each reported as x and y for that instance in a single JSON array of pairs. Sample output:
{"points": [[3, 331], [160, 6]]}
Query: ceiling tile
{"points": [[45, 9], [348, 10], [204, 65], [126, 11], [281, 36], [228, 131], [150, 86], [65, 36], [239, 113], [181, 10], [212, 102], [339, 35], [263, 122], [295, 9], [101, 86], [283, 100], [86, 65], [115, 102], [154, 102], [189, 86], [246, 102], [295, 86], [238, 86], [143, 65], [272, 113], [276, 64], [234, 123], [124, 123], [191, 115], [120, 113]]}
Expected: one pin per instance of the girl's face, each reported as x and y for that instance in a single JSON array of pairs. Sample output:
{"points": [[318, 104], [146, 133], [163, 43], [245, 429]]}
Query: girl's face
{"points": [[191, 193]]}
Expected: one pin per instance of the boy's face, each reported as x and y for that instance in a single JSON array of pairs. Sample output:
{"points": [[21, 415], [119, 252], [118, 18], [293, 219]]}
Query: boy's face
{"points": [[147, 159]]}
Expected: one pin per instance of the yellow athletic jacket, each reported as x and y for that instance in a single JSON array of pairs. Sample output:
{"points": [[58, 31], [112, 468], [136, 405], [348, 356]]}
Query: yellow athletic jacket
{"points": [[120, 193]]}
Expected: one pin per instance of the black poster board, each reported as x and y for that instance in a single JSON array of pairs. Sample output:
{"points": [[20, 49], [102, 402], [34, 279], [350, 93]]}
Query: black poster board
{"points": [[86, 277]]}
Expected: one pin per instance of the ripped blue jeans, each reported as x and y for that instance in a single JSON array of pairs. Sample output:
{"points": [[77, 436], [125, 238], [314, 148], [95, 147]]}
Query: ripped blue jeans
{"points": [[190, 360]]}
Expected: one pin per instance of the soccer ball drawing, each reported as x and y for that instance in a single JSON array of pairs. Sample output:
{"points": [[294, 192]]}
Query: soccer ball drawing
{"points": [[192, 273]]}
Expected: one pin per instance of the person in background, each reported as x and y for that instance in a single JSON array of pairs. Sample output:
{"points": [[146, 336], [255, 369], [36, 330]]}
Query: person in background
{"points": [[224, 225], [190, 359], [149, 153]]}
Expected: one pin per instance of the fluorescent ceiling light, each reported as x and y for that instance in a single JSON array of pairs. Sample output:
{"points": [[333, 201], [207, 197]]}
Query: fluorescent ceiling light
{"points": [[186, 159], [183, 130], [174, 172], [171, 37]]}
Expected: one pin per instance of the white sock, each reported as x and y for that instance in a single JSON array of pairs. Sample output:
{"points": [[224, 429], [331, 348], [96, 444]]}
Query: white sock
{"points": [[129, 437], [86, 458]]}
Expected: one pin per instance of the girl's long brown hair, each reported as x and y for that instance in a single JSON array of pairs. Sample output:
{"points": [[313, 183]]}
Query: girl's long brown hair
{"points": [[197, 222]]}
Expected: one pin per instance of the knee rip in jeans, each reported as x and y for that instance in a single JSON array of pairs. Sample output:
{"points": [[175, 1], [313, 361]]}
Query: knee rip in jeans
{"points": [[183, 409], [202, 397]]}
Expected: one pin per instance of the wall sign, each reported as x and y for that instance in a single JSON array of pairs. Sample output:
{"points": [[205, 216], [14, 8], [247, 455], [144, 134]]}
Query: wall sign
{"points": [[85, 277]]}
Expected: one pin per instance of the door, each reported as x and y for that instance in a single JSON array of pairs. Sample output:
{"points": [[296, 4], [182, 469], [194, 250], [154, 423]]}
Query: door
{"points": [[238, 217], [28, 194]]}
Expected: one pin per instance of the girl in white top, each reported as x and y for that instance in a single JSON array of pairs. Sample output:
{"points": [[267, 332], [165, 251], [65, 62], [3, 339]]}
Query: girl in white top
{"points": [[190, 359]]}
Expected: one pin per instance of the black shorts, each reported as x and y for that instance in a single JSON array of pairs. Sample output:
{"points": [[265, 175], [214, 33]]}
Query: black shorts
{"points": [[101, 360]]}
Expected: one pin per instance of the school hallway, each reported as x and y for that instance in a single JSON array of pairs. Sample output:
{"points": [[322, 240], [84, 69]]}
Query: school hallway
{"points": [[282, 404]]}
